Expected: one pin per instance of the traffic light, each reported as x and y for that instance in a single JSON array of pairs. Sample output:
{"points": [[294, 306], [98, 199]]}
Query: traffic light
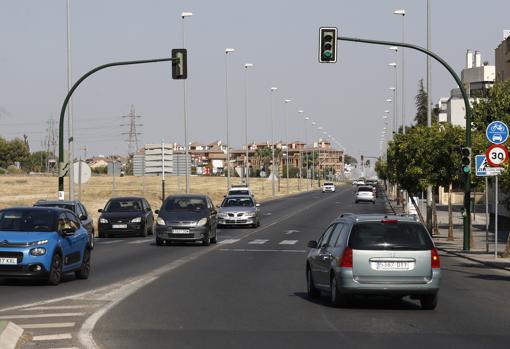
{"points": [[179, 63], [465, 152], [327, 41]]}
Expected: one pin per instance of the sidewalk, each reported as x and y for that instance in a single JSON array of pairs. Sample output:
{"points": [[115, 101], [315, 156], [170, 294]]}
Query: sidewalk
{"points": [[479, 243]]}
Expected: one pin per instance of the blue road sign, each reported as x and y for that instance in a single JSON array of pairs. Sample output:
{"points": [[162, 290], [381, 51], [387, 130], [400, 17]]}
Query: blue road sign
{"points": [[481, 165], [497, 132]]}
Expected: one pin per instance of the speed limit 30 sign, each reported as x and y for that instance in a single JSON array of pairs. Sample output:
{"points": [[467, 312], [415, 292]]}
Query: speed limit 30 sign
{"points": [[497, 154]]}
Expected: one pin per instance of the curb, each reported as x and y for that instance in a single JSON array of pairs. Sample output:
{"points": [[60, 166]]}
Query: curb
{"points": [[486, 263], [10, 333]]}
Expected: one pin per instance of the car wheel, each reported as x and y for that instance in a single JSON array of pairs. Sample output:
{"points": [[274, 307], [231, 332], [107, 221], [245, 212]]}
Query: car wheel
{"points": [[258, 222], [206, 241], [55, 270], [313, 292], [159, 242], [91, 243], [214, 239], [144, 231], [356, 201], [84, 271], [429, 301], [337, 298]]}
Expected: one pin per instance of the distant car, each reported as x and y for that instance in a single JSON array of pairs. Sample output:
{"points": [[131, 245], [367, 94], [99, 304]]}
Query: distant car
{"points": [[239, 190], [186, 218], [130, 215], [42, 242], [78, 208], [374, 255], [365, 193], [239, 210], [328, 187]]}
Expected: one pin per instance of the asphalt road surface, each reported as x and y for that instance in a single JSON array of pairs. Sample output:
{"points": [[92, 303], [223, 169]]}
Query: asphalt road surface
{"points": [[249, 291]]}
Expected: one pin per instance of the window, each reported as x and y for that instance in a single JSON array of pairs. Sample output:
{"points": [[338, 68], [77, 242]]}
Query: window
{"points": [[79, 211], [335, 235], [27, 220], [185, 204], [389, 236], [123, 206], [84, 210], [323, 241], [238, 202], [72, 221]]}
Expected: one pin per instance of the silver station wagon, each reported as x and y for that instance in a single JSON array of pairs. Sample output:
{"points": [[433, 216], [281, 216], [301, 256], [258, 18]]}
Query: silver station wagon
{"points": [[374, 255]]}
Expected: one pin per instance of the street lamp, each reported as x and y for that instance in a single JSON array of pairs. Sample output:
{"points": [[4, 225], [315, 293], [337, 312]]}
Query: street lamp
{"points": [[319, 158], [246, 165], [313, 154], [186, 155], [287, 145], [70, 124], [227, 51], [300, 160], [306, 154], [273, 171], [402, 13]]}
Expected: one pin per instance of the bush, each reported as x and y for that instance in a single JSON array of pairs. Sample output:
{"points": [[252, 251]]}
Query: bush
{"points": [[3, 171], [14, 170]]}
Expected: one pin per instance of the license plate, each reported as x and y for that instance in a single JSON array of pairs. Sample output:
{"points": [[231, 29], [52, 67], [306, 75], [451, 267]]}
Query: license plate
{"points": [[119, 226], [180, 231], [392, 266], [9, 261]]}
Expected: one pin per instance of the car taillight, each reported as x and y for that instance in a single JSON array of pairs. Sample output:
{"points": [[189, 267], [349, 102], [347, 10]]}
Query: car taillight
{"points": [[436, 264], [389, 221], [346, 261]]}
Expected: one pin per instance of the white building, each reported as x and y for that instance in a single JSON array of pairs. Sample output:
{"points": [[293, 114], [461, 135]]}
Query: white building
{"points": [[477, 79], [442, 106]]}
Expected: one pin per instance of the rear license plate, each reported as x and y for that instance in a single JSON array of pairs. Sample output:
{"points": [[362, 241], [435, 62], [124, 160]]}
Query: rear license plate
{"points": [[8, 261], [392, 265], [180, 231], [119, 226]]}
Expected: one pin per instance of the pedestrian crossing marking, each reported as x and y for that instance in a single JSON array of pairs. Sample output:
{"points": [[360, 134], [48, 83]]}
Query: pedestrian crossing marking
{"points": [[228, 241], [288, 242], [258, 242]]}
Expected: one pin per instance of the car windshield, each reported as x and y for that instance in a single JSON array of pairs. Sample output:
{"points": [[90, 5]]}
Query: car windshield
{"points": [[328, 183], [239, 192], [69, 207], [365, 189], [28, 220], [237, 202], [389, 236], [123, 206], [185, 204]]}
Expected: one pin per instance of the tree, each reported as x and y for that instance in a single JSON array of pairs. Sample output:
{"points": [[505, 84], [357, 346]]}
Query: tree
{"points": [[422, 107]]}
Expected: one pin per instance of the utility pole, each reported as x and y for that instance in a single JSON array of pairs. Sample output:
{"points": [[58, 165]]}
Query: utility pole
{"points": [[429, 114], [132, 134]]}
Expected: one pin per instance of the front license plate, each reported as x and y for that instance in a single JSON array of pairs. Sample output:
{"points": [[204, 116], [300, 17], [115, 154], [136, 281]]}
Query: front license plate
{"points": [[180, 231], [119, 226], [392, 266], [9, 261]]}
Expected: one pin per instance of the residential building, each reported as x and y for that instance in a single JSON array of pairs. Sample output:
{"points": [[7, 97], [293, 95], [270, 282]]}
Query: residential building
{"points": [[502, 53]]}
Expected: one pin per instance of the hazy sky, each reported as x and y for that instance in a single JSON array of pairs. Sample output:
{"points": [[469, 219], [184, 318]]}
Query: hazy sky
{"points": [[280, 38]]}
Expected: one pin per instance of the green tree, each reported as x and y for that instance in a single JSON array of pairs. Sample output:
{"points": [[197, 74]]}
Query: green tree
{"points": [[420, 101]]}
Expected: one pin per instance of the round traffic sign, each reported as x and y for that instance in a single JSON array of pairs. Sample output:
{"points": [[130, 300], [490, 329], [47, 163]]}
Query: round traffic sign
{"points": [[496, 155], [497, 132]]}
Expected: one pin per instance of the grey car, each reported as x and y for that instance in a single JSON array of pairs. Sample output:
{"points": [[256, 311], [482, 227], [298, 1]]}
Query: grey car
{"points": [[239, 210], [374, 255]]}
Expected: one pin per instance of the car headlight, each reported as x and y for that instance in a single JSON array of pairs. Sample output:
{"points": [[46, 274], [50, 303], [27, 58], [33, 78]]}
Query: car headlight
{"points": [[38, 251], [202, 222], [160, 221], [222, 215], [103, 220], [40, 242], [249, 214], [136, 220]]}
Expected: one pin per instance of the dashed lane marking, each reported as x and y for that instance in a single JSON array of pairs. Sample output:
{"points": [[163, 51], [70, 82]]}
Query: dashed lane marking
{"points": [[258, 242], [288, 242], [291, 231], [258, 250], [228, 241], [108, 242], [48, 325], [52, 337], [57, 307], [38, 316], [139, 241]]}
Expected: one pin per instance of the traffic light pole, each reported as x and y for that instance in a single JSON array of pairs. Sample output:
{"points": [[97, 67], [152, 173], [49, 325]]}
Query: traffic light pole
{"points": [[467, 184], [64, 106]]}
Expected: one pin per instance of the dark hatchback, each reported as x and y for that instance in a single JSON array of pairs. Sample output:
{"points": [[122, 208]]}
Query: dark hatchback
{"points": [[125, 216], [79, 210], [186, 218]]}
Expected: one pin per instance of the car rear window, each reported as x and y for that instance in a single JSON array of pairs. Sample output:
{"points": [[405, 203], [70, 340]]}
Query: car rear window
{"points": [[389, 236], [365, 189], [239, 192], [66, 206]]}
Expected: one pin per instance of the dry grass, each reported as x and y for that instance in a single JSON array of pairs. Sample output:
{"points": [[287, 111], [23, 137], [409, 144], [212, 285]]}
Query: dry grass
{"points": [[26, 190]]}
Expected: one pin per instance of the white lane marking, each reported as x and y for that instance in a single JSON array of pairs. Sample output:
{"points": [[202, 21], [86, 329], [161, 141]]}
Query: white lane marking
{"points": [[288, 242], [108, 242], [258, 242], [57, 307], [35, 316], [48, 325], [139, 241], [267, 214], [228, 241], [66, 348], [291, 231], [256, 250], [52, 337]]}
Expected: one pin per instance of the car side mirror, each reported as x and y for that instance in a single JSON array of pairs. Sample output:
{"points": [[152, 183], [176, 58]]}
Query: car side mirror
{"points": [[68, 231], [83, 217], [257, 205], [312, 244], [100, 210], [156, 211]]}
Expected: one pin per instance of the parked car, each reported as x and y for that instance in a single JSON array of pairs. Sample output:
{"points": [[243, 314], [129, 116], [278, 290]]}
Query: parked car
{"points": [[374, 255], [239, 210], [130, 215], [239, 190], [328, 187], [186, 218], [365, 193], [78, 208], [42, 242]]}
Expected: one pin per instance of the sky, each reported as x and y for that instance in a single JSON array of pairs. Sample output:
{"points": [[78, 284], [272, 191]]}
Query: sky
{"points": [[280, 39]]}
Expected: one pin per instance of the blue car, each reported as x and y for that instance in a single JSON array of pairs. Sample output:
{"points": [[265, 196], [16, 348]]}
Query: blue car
{"points": [[44, 243]]}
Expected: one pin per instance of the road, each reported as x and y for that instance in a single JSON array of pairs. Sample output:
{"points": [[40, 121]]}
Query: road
{"points": [[249, 291]]}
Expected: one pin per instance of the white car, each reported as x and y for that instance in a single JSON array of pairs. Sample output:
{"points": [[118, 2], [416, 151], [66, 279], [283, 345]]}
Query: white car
{"points": [[365, 193], [328, 187], [240, 190]]}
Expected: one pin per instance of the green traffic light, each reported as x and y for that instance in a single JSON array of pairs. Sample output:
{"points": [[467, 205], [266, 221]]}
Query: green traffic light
{"points": [[466, 169], [328, 54]]}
